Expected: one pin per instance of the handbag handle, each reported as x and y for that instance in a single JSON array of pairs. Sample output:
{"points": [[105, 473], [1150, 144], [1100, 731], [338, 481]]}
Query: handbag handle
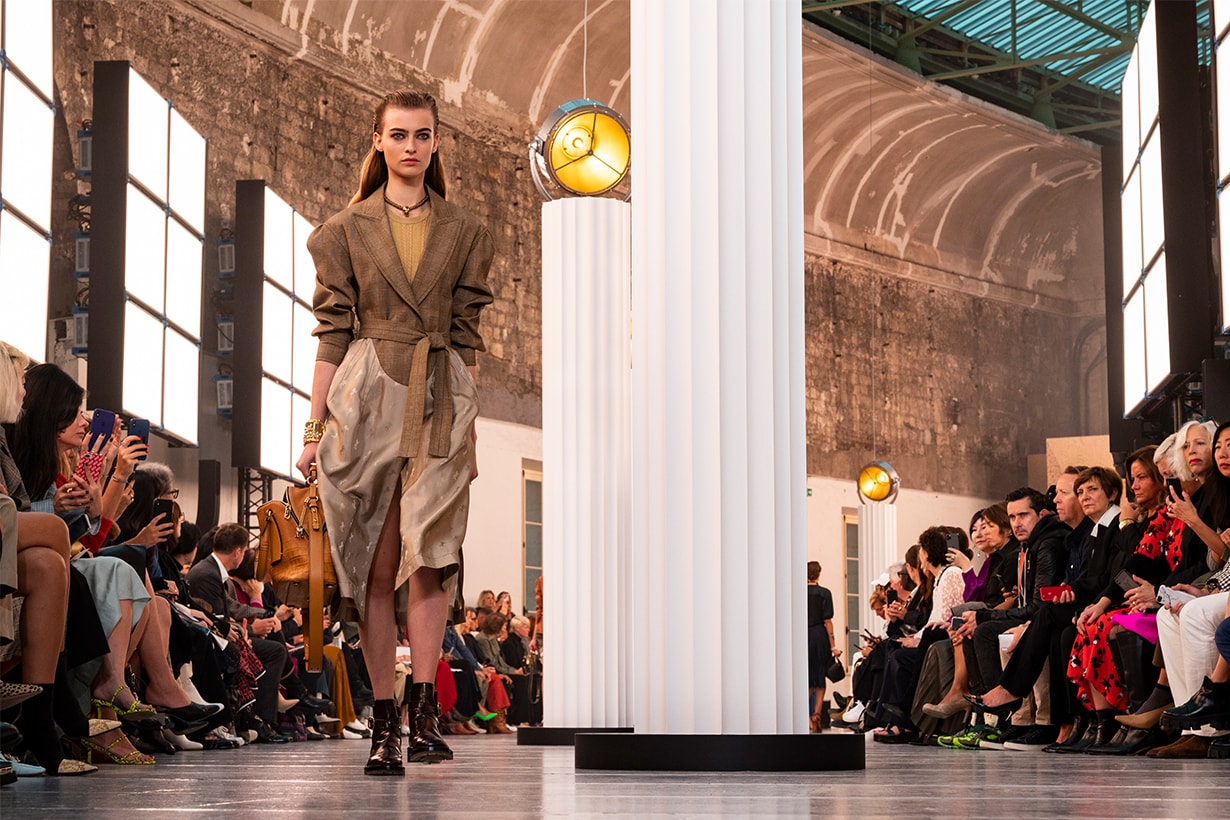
{"points": [[316, 575]]}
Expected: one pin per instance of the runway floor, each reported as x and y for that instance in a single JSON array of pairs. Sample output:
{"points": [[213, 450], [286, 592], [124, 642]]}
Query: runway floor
{"points": [[494, 777]]}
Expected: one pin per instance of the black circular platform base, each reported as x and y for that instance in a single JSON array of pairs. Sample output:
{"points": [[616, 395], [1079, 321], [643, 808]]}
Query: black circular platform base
{"points": [[556, 735], [722, 753]]}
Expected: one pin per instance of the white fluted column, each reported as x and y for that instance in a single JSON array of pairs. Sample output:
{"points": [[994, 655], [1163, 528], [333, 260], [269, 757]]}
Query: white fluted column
{"points": [[877, 550], [719, 447], [585, 461]]}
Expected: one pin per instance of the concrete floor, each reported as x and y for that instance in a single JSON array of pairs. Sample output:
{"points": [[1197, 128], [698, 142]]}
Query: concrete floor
{"points": [[493, 777]]}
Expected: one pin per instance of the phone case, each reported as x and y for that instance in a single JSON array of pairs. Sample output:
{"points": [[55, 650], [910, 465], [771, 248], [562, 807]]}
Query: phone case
{"points": [[89, 466], [139, 427], [102, 425]]}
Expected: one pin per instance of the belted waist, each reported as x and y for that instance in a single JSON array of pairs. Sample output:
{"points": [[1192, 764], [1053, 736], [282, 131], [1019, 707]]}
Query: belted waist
{"points": [[429, 347]]}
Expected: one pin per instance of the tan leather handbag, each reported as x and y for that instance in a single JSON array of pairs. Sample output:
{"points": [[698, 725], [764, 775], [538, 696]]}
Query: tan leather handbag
{"points": [[294, 555]]}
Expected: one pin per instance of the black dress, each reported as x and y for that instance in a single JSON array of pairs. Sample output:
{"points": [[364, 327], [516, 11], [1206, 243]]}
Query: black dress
{"points": [[819, 650]]}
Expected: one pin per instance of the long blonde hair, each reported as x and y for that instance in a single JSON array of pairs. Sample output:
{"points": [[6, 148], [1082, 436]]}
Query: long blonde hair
{"points": [[375, 172], [12, 365]]}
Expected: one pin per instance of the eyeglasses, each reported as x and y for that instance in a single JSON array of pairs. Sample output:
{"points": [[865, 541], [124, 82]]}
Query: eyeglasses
{"points": [[174, 493]]}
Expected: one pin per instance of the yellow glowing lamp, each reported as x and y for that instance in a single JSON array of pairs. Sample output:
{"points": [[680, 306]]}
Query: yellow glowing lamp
{"points": [[878, 481], [584, 147]]}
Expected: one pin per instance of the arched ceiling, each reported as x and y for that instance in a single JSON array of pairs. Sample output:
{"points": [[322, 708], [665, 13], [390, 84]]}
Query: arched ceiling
{"points": [[894, 164], [526, 55], [919, 172]]}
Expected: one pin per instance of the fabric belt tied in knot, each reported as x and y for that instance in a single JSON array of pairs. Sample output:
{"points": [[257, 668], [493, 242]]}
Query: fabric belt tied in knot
{"points": [[432, 348]]}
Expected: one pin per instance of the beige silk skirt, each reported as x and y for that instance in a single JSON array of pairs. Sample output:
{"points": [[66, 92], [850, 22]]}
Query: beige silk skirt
{"points": [[358, 468]]}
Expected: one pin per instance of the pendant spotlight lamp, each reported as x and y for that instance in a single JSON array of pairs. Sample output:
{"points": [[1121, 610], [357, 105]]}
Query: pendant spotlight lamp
{"points": [[878, 482], [584, 149]]}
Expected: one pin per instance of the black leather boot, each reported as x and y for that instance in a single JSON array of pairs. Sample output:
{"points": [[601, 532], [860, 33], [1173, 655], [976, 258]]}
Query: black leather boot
{"points": [[426, 743], [386, 741], [1080, 727]]}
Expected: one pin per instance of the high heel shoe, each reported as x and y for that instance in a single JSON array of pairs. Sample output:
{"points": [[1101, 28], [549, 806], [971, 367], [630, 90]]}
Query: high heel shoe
{"points": [[946, 710], [99, 753], [1003, 710], [814, 724], [135, 714]]}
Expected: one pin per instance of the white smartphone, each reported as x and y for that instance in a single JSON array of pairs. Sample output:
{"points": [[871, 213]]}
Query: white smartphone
{"points": [[1173, 597]]}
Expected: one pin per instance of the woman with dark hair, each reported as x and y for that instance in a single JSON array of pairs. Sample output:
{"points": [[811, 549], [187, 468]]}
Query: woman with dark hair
{"points": [[1186, 649], [992, 585], [136, 623], [34, 552], [401, 280], [820, 649], [901, 672]]}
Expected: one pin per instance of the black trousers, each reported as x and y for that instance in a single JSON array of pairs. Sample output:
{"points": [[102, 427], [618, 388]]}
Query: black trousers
{"points": [[276, 660], [1050, 636], [982, 654]]}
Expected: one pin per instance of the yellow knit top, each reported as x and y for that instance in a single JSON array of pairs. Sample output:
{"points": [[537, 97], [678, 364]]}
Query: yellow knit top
{"points": [[410, 237]]}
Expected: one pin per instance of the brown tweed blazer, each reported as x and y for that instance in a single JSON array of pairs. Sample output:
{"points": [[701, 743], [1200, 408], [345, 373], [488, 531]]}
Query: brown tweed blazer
{"points": [[360, 279], [362, 292]]}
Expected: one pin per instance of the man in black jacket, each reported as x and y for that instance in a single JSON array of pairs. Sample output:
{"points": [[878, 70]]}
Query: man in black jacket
{"points": [[1043, 555], [1093, 555], [212, 589]]}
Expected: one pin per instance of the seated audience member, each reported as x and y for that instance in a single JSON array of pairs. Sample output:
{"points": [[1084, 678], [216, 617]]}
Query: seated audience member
{"points": [[1149, 533], [46, 443], [515, 648], [1094, 557], [993, 585], [214, 592], [487, 641], [906, 611], [1186, 627], [1210, 706], [1042, 534], [1193, 644], [34, 551], [901, 671]]}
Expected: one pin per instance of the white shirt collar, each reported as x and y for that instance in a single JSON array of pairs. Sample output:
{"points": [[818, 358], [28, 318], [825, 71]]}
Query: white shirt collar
{"points": [[226, 573], [1105, 520]]}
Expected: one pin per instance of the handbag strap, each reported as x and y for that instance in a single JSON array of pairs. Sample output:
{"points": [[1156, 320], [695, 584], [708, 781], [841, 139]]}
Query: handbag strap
{"points": [[316, 575]]}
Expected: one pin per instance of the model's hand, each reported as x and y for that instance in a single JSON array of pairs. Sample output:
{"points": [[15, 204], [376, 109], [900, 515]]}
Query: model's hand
{"points": [[307, 457]]}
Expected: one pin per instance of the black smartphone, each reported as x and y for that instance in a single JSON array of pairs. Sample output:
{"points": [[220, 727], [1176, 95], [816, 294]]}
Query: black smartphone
{"points": [[954, 543], [1174, 485], [140, 428], [163, 506], [102, 425], [1125, 581]]}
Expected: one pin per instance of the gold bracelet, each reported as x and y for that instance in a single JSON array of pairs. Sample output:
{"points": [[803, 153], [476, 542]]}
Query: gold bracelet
{"points": [[123, 480], [313, 431]]}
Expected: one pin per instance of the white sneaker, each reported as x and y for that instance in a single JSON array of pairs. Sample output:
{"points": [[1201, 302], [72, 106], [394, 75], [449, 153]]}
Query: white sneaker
{"points": [[357, 726], [349, 735], [853, 714]]}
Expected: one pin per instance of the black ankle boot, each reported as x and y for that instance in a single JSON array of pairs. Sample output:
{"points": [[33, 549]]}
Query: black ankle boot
{"points": [[426, 743], [37, 727], [386, 741]]}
